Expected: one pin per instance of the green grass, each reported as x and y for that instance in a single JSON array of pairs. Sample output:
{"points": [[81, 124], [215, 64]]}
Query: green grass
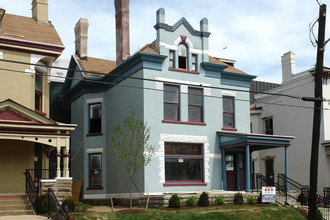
{"points": [[223, 212]]}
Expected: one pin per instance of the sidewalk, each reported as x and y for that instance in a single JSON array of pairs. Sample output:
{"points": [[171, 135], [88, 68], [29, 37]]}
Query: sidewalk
{"points": [[23, 217]]}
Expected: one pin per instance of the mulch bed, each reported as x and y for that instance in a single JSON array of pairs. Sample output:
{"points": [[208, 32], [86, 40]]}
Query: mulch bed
{"points": [[302, 212]]}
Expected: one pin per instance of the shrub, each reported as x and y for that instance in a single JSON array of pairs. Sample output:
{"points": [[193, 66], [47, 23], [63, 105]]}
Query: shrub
{"points": [[259, 199], [302, 199], [43, 204], [238, 198], [81, 207], [191, 201], [319, 215], [68, 201], [219, 200], [204, 199], [251, 200], [174, 201]]}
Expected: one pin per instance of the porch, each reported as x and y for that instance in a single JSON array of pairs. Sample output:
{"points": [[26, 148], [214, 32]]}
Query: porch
{"points": [[236, 150]]}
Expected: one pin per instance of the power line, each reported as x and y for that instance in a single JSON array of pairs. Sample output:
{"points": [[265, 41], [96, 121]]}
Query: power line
{"points": [[152, 80]]}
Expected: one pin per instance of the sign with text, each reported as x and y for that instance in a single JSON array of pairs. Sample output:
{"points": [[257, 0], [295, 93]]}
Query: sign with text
{"points": [[269, 194]]}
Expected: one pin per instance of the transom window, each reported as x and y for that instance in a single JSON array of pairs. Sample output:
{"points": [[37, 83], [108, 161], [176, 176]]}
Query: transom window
{"points": [[171, 102], [95, 170], [228, 112], [95, 118], [195, 104], [183, 162], [38, 91], [269, 125], [182, 56]]}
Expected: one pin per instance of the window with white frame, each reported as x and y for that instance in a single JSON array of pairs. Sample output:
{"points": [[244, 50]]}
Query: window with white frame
{"points": [[182, 56], [171, 102], [95, 170], [194, 62], [268, 125], [95, 118], [228, 112], [195, 104], [171, 59], [184, 162]]}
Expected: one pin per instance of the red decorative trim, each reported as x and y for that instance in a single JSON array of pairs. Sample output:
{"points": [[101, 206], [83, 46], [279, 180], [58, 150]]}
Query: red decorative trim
{"points": [[13, 196], [39, 112], [96, 134], [11, 115], [183, 70], [94, 187], [183, 38], [32, 45], [39, 124], [66, 155], [58, 154], [229, 129], [34, 133], [184, 122], [185, 184]]}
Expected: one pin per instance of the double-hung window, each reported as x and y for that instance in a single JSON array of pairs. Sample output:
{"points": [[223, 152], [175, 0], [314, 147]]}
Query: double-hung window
{"points": [[228, 112], [95, 118], [194, 62], [171, 102], [183, 163], [268, 125], [195, 105], [171, 59], [95, 170], [38, 91]]}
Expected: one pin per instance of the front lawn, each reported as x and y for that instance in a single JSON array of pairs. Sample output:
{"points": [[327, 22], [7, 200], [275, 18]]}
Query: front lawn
{"points": [[219, 212]]}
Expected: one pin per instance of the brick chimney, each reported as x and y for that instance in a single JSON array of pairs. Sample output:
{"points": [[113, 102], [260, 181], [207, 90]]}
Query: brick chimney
{"points": [[122, 30], [81, 35], [40, 11], [288, 66]]}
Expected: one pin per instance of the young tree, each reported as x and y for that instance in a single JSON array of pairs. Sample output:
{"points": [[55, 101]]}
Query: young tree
{"points": [[129, 147]]}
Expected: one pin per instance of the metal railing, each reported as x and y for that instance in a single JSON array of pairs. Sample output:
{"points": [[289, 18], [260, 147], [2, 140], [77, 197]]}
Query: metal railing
{"points": [[290, 186], [55, 211], [37, 174], [32, 190]]}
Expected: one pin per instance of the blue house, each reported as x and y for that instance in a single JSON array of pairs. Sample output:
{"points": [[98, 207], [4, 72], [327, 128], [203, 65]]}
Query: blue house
{"points": [[196, 105]]}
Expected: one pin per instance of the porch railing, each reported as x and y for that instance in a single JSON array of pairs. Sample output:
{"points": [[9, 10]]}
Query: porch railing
{"points": [[38, 174], [55, 211], [32, 190], [290, 186]]}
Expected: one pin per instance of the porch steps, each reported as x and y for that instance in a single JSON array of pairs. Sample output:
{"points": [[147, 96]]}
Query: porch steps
{"points": [[15, 205]]}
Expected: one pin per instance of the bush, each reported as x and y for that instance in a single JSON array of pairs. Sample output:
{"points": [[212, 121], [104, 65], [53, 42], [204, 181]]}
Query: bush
{"points": [[191, 201], [174, 202], [219, 200], [251, 200], [302, 199], [81, 207], [259, 199], [238, 198], [42, 204], [319, 215], [204, 199], [68, 201]]}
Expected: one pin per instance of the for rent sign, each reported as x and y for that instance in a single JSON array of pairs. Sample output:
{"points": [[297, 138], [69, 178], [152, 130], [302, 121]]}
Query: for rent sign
{"points": [[268, 194]]}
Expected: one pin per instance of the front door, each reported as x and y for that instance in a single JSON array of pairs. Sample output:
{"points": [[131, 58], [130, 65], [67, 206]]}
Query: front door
{"points": [[270, 172], [235, 171]]}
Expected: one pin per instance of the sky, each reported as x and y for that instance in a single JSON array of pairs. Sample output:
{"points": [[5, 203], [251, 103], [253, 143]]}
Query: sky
{"points": [[254, 33]]}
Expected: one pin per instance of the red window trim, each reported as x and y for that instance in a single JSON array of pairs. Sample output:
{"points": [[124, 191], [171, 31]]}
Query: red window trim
{"points": [[233, 111], [94, 134], [229, 129], [39, 112], [94, 187], [38, 91], [184, 184], [183, 122], [177, 103], [201, 104], [183, 70]]}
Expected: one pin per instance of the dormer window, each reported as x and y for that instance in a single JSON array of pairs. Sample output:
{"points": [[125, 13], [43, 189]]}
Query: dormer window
{"points": [[182, 56]]}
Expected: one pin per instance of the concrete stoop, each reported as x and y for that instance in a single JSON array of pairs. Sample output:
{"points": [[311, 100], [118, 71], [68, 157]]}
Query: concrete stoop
{"points": [[15, 205]]}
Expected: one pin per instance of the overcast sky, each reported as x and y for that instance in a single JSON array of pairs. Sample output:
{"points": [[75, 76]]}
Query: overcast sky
{"points": [[254, 33]]}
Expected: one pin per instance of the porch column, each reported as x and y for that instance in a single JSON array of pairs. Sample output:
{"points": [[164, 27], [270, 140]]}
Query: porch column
{"points": [[223, 155], [247, 169], [58, 155], [66, 163], [252, 171], [286, 168], [238, 183]]}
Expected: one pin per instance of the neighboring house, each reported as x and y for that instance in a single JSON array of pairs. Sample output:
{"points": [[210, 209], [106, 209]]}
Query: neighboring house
{"points": [[196, 105], [29, 139], [282, 115]]}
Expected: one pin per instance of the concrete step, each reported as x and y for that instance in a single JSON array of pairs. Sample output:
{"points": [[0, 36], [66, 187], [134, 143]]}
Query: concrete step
{"points": [[16, 212], [15, 205]]}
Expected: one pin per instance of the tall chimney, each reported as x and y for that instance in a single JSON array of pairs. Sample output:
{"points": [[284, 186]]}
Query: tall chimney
{"points": [[81, 35], [40, 11], [122, 30], [288, 66]]}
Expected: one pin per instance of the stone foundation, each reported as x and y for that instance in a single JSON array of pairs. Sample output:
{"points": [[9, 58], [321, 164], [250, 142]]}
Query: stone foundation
{"points": [[62, 187]]}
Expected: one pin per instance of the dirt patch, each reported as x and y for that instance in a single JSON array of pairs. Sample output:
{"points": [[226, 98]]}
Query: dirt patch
{"points": [[302, 212]]}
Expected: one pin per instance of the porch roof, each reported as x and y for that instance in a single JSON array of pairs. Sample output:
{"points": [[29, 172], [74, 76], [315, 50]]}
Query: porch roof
{"points": [[236, 140]]}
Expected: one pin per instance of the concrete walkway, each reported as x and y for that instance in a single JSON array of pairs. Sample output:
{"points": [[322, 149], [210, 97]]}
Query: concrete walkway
{"points": [[23, 217]]}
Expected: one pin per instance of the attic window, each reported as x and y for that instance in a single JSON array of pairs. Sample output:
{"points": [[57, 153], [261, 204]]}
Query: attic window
{"points": [[182, 56]]}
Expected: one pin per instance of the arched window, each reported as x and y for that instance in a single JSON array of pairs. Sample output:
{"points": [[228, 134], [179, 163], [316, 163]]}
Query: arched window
{"points": [[182, 56]]}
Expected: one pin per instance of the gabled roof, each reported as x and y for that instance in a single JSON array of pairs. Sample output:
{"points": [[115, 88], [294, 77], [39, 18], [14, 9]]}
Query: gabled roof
{"points": [[91, 64], [228, 69], [27, 29]]}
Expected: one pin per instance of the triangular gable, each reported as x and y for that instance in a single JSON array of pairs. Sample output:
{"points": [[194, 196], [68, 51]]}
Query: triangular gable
{"points": [[11, 111]]}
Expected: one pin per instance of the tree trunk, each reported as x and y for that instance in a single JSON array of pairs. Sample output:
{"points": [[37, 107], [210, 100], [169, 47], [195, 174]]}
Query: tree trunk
{"points": [[130, 192]]}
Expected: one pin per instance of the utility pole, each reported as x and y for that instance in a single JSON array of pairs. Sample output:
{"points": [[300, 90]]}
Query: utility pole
{"points": [[317, 115]]}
